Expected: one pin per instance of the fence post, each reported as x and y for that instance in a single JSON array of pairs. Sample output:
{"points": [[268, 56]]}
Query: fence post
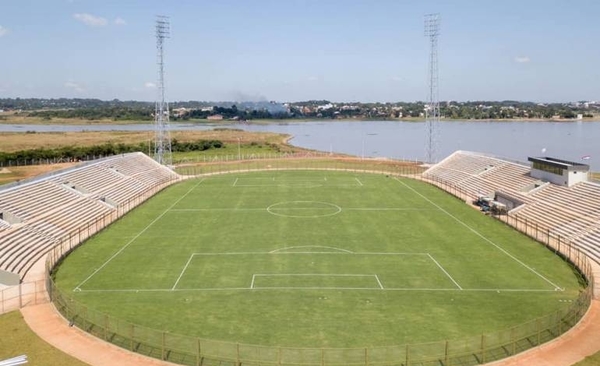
{"points": [[559, 322], [539, 331], [131, 335], [20, 296], [322, 357], [237, 354], [162, 356], [483, 348], [199, 349], [513, 341], [366, 356], [407, 357], [105, 327], [447, 354]]}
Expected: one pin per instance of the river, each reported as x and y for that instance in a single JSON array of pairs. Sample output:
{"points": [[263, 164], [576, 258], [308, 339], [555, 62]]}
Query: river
{"points": [[407, 140]]}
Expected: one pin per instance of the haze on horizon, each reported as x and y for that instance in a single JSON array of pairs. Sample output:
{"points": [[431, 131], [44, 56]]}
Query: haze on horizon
{"points": [[294, 50]]}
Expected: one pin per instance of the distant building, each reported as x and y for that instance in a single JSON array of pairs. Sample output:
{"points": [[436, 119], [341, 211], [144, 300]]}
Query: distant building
{"points": [[216, 117]]}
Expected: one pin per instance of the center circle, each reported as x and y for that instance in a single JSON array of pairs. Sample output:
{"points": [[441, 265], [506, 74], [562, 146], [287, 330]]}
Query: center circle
{"points": [[304, 209]]}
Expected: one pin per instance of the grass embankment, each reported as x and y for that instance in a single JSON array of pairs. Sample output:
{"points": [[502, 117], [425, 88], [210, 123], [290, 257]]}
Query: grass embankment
{"points": [[17, 339], [15, 141], [24, 119], [250, 143], [593, 360]]}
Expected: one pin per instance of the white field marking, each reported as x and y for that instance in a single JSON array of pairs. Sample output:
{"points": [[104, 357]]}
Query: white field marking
{"points": [[214, 209], [388, 209], [325, 179], [425, 289], [235, 182], [311, 246], [359, 182], [312, 275], [138, 235], [271, 209], [290, 185], [182, 271], [556, 287], [280, 251], [389, 253], [379, 282], [231, 253], [298, 208], [380, 287], [446, 272]]}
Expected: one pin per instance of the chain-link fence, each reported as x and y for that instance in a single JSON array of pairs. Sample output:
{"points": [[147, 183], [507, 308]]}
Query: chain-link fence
{"points": [[189, 350]]}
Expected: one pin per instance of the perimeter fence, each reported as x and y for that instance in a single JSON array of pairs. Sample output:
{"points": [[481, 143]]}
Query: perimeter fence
{"points": [[189, 350]]}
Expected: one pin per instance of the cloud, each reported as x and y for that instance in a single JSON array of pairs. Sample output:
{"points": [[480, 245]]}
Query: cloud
{"points": [[397, 78], [90, 20], [149, 85], [74, 86], [522, 59], [3, 31], [120, 21]]}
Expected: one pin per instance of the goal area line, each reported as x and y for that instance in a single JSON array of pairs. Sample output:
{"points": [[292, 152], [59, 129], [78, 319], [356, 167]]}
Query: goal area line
{"points": [[332, 275]]}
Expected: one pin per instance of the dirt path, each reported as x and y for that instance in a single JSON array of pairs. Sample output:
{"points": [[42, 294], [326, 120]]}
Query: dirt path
{"points": [[45, 321], [581, 341], [575, 345]]}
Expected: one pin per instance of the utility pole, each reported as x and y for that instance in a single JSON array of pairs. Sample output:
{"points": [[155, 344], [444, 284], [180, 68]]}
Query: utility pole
{"points": [[432, 110], [162, 139]]}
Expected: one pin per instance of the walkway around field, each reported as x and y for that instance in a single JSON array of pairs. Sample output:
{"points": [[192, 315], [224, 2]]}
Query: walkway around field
{"points": [[581, 341], [49, 325]]}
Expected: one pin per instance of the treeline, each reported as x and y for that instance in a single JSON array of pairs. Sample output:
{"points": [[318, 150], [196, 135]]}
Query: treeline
{"points": [[76, 153], [113, 113], [232, 112]]}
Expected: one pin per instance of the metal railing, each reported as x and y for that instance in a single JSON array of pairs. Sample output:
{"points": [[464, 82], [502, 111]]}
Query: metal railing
{"points": [[190, 350]]}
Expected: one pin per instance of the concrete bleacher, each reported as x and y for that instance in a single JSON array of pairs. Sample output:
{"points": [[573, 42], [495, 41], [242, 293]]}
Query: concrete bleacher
{"points": [[570, 212], [40, 213], [34, 199], [480, 174]]}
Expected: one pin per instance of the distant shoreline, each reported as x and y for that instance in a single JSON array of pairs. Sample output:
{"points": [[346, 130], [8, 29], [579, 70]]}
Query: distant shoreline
{"points": [[77, 121]]}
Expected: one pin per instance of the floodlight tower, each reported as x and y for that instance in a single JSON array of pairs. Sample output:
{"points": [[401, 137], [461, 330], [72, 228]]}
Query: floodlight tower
{"points": [[432, 111], [162, 137]]}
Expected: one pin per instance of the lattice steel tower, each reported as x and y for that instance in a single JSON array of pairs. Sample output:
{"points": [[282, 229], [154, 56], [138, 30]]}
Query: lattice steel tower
{"points": [[432, 111], [162, 137]]}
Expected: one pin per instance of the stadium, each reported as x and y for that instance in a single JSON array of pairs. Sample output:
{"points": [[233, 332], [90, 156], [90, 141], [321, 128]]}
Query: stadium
{"points": [[275, 261]]}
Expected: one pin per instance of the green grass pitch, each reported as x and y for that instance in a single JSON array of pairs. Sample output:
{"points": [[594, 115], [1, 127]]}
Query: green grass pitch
{"points": [[315, 259]]}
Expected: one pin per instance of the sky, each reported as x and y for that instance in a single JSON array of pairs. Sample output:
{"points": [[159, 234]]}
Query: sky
{"points": [[295, 50]]}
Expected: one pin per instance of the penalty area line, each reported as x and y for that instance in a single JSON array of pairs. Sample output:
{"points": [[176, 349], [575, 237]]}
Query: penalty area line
{"points": [[78, 287], [443, 270], [182, 272]]}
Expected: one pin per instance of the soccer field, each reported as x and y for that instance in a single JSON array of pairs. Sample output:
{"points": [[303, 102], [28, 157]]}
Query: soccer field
{"points": [[315, 259]]}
